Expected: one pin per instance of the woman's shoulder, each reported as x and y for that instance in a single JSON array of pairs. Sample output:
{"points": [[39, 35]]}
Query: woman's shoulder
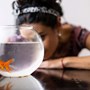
{"points": [[79, 33], [67, 27]]}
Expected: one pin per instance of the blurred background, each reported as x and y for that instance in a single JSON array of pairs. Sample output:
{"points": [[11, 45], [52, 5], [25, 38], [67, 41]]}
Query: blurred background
{"points": [[77, 12], [6, 16]]}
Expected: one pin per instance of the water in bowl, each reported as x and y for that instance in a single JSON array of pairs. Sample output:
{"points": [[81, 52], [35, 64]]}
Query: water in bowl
{"points": [[24, 55]]}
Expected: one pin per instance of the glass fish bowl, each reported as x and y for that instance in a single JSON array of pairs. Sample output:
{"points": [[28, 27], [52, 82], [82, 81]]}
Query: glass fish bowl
{"points": [[21, 51]]}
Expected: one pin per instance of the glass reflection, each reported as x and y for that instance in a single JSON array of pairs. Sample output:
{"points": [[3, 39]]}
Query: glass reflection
{"points": [[23, 83]]}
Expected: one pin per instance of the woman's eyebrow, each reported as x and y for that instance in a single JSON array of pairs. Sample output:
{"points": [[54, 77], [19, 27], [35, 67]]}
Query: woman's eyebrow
{"points": [[41, 33]]}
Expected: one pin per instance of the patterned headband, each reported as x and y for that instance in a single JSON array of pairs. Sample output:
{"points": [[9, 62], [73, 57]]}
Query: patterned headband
{"points": [[17, 11]]}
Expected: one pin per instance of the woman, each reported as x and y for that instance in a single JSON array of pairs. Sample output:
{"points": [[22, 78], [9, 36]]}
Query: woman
{"points": [[62, 42]]}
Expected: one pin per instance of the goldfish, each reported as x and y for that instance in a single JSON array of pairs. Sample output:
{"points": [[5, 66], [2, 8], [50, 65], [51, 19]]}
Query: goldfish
{"points": [[7, 86], [6, 65]]}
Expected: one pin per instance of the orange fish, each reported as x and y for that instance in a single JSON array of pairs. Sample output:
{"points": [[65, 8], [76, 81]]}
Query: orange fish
{"points": [[6, 65]]}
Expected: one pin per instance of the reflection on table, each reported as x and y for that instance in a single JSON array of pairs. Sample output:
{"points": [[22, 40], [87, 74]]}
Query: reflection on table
{"points": [[23, 83], [63, 80], [43, 79]]}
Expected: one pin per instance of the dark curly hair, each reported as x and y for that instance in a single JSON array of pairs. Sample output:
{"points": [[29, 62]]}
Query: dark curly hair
{"points": [[39, 17]]}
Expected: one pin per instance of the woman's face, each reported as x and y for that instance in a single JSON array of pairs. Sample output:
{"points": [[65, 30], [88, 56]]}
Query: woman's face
{"points": [[49, 37]]}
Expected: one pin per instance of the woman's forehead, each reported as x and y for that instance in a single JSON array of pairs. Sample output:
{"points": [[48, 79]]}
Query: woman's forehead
{"points": [[40, 28]]}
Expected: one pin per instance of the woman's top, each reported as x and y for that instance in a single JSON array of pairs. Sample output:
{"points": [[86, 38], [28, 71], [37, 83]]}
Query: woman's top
{"points": [[76, 44]]}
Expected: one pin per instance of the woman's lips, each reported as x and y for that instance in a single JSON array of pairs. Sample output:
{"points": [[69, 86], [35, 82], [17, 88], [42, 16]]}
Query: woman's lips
{"points": [[46, 56]]}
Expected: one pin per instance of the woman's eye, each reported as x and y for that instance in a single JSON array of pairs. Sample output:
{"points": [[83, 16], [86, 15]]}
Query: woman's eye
{"points": [[42, 37]]}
